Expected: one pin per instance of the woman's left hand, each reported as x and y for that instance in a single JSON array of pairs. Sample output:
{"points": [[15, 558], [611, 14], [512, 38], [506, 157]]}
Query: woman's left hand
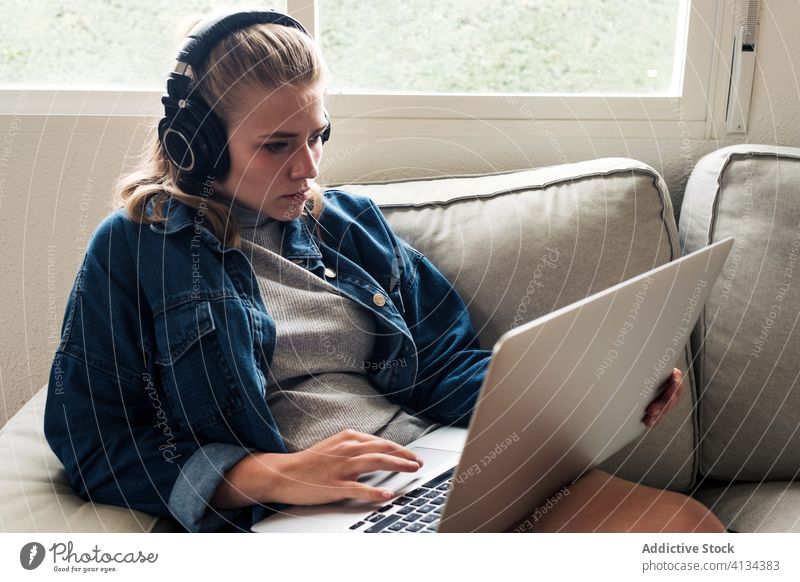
{"points": [[670, 392]]}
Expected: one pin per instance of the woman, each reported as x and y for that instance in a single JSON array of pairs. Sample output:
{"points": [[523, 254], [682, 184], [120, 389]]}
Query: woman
{"points": [[237, 339]]}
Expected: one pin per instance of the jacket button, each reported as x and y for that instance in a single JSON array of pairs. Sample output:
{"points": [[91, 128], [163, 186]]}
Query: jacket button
{"points": [[329, 273], [379, 300]]}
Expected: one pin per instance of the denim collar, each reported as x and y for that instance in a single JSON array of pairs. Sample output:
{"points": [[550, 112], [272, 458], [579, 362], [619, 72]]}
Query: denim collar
{"points": [[298, 240]]}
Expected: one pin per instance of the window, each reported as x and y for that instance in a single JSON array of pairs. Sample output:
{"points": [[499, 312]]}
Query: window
{"points": [[454, 67], [519, 46], [96, 43]]}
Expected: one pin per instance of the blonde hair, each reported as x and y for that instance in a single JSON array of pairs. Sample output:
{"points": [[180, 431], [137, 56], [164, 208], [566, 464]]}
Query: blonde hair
{"points": [[259, 55]]}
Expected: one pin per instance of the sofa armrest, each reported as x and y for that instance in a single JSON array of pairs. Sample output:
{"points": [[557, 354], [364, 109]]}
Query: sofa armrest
{"points": [[35, 493]]}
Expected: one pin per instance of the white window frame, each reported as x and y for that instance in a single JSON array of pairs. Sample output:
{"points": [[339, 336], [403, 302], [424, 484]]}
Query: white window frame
{"points": [[695, 109]]}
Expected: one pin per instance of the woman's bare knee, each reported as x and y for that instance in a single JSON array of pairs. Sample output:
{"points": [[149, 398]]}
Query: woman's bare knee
{"points": [[692, 516], [599, 501]]}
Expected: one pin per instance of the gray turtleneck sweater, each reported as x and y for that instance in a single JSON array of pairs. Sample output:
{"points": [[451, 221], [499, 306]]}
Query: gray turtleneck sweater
{"points": [[317, 384]]}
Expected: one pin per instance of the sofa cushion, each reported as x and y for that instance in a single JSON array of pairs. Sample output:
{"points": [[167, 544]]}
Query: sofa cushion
{"points": [[748, 339], [518, 245], [755, 507], [35, 493]]}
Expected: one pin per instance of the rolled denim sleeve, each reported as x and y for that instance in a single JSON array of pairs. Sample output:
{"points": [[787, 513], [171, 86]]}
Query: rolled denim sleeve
{"points": [[199, 478]]}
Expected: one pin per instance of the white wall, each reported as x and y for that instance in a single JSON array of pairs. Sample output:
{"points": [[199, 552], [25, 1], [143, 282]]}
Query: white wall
{"points": [[56, 177]]}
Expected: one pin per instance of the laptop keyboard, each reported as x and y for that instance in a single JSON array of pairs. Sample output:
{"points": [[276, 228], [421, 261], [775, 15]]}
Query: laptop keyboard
{"points": [[417, 511]]}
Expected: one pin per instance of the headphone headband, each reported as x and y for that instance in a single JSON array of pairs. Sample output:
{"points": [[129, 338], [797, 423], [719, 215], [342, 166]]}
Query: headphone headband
{"points": [[207, 33]]}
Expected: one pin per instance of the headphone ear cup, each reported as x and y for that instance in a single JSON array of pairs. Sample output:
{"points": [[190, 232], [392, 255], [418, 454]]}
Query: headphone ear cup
{"points": [[212, 140], [195, 139], [175, 137]]}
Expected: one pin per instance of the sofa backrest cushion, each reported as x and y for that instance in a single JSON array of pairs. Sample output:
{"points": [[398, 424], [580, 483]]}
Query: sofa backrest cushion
{"points": [[518, 245], [748, 339]]}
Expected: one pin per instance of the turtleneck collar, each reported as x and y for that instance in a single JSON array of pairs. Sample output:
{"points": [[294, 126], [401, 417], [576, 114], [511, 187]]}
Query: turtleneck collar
{"points": [[248, 218]]}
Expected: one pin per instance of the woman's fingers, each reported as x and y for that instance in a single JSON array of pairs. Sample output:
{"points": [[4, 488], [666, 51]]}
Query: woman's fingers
{"points": [[670, 394], [350, 443], [386, 447], [360, 491], [379, 462], [327, 471], [673, 394]]}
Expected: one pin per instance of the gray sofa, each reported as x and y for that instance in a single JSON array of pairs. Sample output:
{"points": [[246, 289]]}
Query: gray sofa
{"points": [[520, 244]]}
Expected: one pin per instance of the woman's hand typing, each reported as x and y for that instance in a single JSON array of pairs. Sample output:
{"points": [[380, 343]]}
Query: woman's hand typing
{"points": [[323, 473]]}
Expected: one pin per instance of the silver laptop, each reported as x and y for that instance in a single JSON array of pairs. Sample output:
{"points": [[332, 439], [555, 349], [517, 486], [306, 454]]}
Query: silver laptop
{"points": [[561, 394]]}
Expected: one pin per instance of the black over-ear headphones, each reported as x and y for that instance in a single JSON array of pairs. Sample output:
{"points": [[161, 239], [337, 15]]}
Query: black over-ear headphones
{"points": [[191, 133]]}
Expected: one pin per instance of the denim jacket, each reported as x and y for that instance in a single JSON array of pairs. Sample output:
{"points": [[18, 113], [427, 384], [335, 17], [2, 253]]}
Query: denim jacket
{"points": [[158, 383]]}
